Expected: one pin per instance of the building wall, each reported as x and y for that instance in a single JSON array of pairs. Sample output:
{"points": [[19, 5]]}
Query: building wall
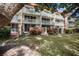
{"points": [[71, 22], [20, 19]]}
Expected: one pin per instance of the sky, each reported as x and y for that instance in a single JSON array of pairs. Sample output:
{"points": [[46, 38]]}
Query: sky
{"points": [[77, 14], [61, 9]]}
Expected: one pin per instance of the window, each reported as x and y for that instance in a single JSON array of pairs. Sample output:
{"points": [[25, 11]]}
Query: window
{"points": [[45, 19], [27, 7], [29, 17], [14, 27], [59, 20], [26, 27], [71, 22]]}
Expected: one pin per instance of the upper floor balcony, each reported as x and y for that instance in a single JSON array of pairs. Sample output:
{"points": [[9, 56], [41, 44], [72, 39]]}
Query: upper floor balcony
{"points": [[28, 10], [29, 21], [49, 15], [46, 22], [71, 23], [59, 22], [32, 11]]}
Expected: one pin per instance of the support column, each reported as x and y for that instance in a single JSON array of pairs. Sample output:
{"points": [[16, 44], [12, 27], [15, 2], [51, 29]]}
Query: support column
{"points": [[50, 21], [20, 24], [66, 22], [45, 33], [19, 29], [40, 20], [62, 30]]}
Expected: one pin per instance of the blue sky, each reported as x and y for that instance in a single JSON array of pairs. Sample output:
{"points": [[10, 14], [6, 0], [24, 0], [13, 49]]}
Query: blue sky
{"points": [[77, 14], [61, 9]]}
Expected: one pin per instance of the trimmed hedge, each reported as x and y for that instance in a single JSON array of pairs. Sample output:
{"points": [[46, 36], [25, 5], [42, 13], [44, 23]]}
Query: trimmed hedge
{"points": [[4, 32]]}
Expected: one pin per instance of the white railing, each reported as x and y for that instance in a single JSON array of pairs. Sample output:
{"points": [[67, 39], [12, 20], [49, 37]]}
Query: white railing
{"points": [[59, 24], [46, 22], [52, 23], [28, 11], [35, 21], [71, 25], [30, 21]]}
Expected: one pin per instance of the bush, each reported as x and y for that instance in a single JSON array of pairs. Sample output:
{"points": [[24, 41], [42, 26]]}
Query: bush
{"points": [[51, 30], [77, 30], [69, 31], [5, 32], [35, 30]]}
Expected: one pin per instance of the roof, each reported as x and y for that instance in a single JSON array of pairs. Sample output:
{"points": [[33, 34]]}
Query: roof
{"points": [[58, 15]]}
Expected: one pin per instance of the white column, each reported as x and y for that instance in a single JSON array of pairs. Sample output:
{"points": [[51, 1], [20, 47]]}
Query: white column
{"points": [[66, 22], [40, 20], [54, 22], [45, 33], [19, 29], [62, 30], [37, 21], [23, 24], [50, 21], [20, 25]]}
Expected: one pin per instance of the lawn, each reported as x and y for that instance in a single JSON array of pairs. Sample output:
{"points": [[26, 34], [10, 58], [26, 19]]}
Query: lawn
{"points": [[52, 45]]}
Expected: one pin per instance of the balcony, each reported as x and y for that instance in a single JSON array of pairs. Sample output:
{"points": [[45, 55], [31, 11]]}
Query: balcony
{"points": [[46, 22], [25, 10], [71, 25], [59, 24], [45, 14], [52, 23], [30, 21]]}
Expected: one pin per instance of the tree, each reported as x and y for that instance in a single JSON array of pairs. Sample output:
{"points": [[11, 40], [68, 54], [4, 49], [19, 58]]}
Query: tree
{"points": [[7, 11]]}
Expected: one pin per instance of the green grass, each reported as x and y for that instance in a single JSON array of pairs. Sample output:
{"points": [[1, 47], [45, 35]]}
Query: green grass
{"points": [[52, 45]]}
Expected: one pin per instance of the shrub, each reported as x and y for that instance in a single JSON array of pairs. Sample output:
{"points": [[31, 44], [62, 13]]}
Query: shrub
{"points": [[35, 30], [51, 30], [32, 31], [69, 31], [77, 30], [4, 32]]}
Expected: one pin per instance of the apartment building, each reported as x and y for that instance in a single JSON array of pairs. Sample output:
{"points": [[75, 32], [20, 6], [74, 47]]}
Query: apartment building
{"points": [[71, 23], [27, 17]]}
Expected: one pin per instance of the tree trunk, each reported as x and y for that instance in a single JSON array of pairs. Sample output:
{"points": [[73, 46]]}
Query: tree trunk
{"points": [[66, 17], [7, 11]]}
